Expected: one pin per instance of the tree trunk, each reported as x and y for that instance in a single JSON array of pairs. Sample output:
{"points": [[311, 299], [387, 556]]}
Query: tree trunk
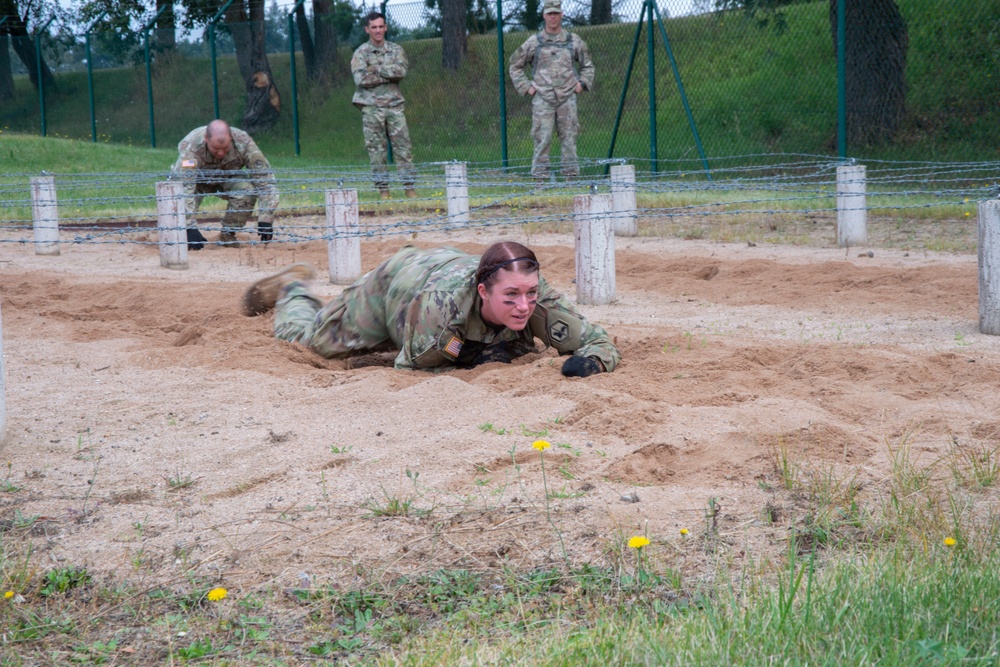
{"points": [[454, 44], [531, 15], [24, 45], [6, 75], [166, 39], [263, 100], [327, 47], [308, 53], [875, 64], [600, 12]]}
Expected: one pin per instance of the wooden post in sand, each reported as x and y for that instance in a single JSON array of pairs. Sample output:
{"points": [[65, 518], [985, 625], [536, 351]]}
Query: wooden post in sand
{"points": [[342, 228], [852, 209], [171, 222], [989, 267], [623, 199], [45, 215], [3, 388], [595, 249], [456, 191]]}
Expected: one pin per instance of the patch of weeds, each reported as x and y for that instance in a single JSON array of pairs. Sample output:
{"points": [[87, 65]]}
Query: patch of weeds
{"points": [[334, 449], [976, 466], [63, 579], [180, 481], [490, 428], [200, 648], [565, 494], [98, 653], [528, 433], [784, 466], [565, 472], [6, 485], [393, 506], [565, 445]]}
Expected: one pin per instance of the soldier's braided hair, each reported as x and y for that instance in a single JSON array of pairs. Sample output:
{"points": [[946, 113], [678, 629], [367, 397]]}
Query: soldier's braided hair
{"points": [[507, 255]]}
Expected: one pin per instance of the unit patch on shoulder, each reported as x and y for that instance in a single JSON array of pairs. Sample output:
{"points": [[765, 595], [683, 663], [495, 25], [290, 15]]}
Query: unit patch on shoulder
{"points": [[558, 331], [189, 164], [453, 347]]}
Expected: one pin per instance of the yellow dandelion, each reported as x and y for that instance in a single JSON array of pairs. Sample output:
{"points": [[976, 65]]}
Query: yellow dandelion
{"points": [[684, 531], [949, 541], [966, 214], [217, 594], [638, 542], [541, 445], [8, 595]]}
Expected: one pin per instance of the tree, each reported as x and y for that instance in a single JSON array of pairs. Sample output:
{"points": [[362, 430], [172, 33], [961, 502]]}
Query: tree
{"points": [[332, 23], [166, 37], [454, 43], [876, 43], [6, 75], [18, 14], [600, 12]]}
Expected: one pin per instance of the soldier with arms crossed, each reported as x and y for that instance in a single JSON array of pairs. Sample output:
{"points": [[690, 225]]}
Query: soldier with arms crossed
{"points": [[211, 161], [561, 70], [441, 308], [378, 66]]}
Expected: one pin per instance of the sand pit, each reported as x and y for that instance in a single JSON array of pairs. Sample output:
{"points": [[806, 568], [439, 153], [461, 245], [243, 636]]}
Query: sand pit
{"points": [[154, 431]]}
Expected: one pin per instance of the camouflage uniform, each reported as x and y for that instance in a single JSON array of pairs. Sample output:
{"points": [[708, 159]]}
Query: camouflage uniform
{"points": [[558, 63], [425, 304], [377, 72], [201, 173]]}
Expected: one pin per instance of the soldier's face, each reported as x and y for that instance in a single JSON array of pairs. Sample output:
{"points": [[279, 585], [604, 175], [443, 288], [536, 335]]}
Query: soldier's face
{"points": [[218, 145], [511, 300], [376, 31], [553, 22]]}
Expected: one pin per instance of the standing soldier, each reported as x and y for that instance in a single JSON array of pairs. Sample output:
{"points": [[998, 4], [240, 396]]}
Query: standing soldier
{"points": [[204, 154], [378, 66], [561, 70]]}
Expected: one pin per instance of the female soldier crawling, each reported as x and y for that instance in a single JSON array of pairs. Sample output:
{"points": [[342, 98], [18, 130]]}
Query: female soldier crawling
{"points": [[441, 308]]}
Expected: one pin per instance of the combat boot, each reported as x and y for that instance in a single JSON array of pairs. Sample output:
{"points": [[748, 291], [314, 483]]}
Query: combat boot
{"points": [[263, 294], [384, 194], [411, 193], [228, 239]]}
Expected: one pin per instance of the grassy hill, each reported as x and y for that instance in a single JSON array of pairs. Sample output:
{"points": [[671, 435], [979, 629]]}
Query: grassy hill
{"points": [[750, 89]]}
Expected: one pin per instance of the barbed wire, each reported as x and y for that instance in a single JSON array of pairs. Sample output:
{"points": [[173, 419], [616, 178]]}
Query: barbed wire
{"points": [[121, 207]]}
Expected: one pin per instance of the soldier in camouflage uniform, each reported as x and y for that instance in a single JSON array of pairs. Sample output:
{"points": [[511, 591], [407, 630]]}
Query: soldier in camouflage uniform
{"points": [[561, 70], [208, 151], [441, 308], [378, 66]]}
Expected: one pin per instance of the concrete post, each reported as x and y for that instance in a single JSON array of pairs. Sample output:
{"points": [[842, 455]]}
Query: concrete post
{"points": [[171, 222], [45, 215], [344, 246], [595, 249], [456, 184], [989, 267], [852, 229], [3, 388], [623, 200]]}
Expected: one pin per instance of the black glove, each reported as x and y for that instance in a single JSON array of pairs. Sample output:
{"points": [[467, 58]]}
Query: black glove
{"points": [[494, 354], [196, 241], [581, 367], [266, 231]]}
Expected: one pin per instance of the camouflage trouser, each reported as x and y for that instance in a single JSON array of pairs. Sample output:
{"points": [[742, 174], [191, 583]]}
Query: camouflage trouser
{"points": [[353, 322], [239, 195], [382, 125], [547, 118]]}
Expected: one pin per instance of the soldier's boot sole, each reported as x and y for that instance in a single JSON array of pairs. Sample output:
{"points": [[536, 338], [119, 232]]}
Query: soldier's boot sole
{"points": [[229, 239], [263, 294]]}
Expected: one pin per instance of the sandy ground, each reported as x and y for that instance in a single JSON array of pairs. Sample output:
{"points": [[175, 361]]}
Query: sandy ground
{"points": [[153, 430]]}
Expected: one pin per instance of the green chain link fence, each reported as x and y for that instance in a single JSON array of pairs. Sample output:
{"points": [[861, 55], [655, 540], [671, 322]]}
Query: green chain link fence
{"points": [[728, 85]]}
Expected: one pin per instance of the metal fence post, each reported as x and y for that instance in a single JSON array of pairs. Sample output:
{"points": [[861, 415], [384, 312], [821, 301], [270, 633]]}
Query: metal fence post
{"points": [[503, 87], [90, 77], [38, 69], [149, 74], [211, 48], [291, 61]]}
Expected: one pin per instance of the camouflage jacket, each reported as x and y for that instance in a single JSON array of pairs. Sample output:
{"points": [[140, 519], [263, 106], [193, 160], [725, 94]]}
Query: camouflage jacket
{"points": [[558, 62], [432, 314], [195, 164], [377, 72]]}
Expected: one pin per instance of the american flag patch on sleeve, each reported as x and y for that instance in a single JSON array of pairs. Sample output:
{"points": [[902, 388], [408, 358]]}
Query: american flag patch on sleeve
{"points": [[453, 347], [189, 164]]}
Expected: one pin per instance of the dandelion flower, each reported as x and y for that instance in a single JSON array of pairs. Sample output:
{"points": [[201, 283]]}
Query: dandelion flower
{"points": [[216, 594], [638, 542], [541, 445], [8, 595], [966, 214], [684, 531], [949, 541]]}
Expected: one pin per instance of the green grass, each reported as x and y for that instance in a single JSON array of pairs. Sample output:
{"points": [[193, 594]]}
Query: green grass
{"points": [[751, 90]]}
